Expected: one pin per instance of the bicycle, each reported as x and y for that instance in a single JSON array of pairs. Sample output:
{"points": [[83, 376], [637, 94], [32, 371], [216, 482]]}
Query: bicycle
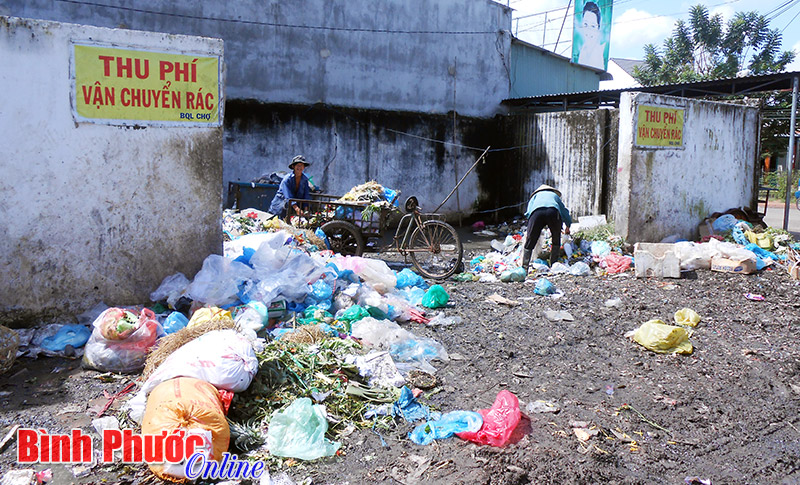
{"points": [[432, 244]]}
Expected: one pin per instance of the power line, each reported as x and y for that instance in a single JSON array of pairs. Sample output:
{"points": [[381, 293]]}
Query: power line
{"points": [[276, 24]]}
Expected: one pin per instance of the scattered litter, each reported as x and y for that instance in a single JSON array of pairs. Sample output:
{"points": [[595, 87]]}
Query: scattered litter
{"points": [[659, 337], [696, 481], [501, 300], [754, 297], [9, 436], [120, 340], [585, 434], [613, 302], [540, 406], [411, 410], [499, 421], [687, 317], [435, 297], [441, 320], [378, 367], [299, 432], [19, 477], [558, 316], [544, 287], [446, 426]]}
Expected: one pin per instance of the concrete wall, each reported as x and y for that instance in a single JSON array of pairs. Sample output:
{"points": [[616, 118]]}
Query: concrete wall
{"points": [[536, 71], [665, 191], [92, 212], [380, 54], [349, 147]]}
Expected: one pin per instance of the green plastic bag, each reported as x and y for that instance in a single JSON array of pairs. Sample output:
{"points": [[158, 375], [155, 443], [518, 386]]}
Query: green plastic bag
{"points": [[353, 314], [299, 432], [435, 297]]}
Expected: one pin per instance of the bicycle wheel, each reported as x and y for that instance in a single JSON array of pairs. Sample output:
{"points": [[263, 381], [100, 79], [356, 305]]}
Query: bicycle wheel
{"points": [[435, 249], [345, 238], [797, 203]]}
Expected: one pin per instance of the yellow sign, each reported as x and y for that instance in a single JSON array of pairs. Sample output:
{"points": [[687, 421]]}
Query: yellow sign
{"points": [[659, 127], [127, 85]]}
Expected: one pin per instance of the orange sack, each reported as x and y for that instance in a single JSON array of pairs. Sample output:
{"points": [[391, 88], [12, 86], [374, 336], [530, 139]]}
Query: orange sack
{"points": [[188, 404]]}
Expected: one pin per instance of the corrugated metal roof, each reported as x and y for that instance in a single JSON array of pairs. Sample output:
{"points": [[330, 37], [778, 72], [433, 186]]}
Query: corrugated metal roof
{"points": [[716, 87]]}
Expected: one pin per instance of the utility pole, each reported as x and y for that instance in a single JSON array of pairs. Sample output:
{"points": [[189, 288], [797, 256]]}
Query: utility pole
{"points": [[790, 153]]}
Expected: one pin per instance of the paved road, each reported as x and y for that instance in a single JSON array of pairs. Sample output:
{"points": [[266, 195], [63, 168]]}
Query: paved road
{"points": [[774, 217]]}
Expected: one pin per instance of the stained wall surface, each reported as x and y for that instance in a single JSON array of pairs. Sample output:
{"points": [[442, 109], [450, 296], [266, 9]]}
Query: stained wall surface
{"points": [[667, 191], [94, 212]]}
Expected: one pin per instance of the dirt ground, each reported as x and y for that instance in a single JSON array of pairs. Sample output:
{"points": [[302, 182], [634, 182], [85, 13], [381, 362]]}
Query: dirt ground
{"points": [[727, 413]]}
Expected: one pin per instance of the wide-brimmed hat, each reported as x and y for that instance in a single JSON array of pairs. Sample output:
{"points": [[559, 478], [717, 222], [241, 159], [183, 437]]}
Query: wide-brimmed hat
{"points": [[547, 187], [298, 159]]}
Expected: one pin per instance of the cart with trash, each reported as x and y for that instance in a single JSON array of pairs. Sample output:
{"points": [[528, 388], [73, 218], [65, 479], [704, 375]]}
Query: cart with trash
{"points": [[431, 243]]}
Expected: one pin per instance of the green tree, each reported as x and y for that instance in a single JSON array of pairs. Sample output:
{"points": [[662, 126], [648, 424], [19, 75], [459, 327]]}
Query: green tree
{"points": [[705, 48]]}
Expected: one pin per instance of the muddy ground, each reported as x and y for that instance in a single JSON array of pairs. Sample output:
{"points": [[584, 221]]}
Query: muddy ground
{"points": [[727, 413]]}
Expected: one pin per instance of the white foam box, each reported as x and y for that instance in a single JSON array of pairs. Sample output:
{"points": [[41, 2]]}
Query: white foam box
{"points": [[657, 260]]}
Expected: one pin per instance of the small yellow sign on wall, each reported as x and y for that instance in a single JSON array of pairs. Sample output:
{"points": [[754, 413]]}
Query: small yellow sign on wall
{"points": [[128, 86], [661, 127]]}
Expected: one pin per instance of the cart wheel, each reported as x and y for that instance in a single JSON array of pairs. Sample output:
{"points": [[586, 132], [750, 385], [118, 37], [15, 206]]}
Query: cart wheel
{"points": [[345, 238], [435, 249], [797, 202]]}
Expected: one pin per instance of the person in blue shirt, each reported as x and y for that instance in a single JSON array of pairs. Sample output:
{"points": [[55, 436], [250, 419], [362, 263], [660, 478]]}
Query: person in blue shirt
{"points": [[545, 209], [293, 186]]}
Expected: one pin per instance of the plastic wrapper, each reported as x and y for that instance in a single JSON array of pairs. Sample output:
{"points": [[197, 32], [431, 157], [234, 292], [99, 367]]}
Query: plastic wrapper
{"points": [[580, 269], [405, 347], [209, 314], [445, 427], [435, 297], [171, 289], [120, 340], [659, 337], [499, 421], [687, 317], [616, 263], [193, 406], [299, 432], [223, 358], [378, 367], [217, 283]]}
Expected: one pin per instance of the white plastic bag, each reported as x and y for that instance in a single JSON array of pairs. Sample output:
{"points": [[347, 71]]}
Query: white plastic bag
{"points": [[405, 347], [373, 271], [223, 358], [171, 289], [217, 283]]}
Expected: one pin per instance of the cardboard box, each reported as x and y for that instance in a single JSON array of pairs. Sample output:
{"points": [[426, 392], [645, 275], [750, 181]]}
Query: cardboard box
{"points": [[725, 265]]}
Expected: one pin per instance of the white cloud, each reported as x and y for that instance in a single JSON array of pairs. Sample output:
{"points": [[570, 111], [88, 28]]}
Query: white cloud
{"points": [[726, 10], [634, 28]]}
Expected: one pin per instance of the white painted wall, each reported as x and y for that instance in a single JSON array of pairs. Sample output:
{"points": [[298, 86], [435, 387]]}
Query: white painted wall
{"points": [[661, 192], [621, 79], [92, 212]]}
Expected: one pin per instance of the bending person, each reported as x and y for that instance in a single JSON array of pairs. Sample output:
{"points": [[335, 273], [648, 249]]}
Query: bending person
{"points": [[545, 209]]}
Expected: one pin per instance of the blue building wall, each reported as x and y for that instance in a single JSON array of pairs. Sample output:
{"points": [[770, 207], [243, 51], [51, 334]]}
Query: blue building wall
{"points": [[536, 71]]}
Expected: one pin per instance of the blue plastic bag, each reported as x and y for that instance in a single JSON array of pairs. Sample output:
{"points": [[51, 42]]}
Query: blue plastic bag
{"points": [[411, 410], [450, 424], [391, 196], [600, 248], [75, 335], [544, 287], [174, 322], [406, 278], [724, 223], [321, 234]]}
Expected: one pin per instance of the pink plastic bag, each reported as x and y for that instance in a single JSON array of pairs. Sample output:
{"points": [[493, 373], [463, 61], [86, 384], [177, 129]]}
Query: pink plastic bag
{"points": [[499, 421], [616, 263]]}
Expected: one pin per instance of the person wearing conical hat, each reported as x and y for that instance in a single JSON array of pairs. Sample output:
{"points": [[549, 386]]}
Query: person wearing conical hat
{"points": [[293, 186], [545, 209]]}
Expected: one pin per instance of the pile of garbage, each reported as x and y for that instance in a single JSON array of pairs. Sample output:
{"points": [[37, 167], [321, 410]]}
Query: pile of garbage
{"points": [[592, 249], [279, 353]]}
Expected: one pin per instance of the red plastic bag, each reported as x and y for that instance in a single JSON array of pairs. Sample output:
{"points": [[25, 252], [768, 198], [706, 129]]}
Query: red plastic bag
{"points": [[499, 421]]}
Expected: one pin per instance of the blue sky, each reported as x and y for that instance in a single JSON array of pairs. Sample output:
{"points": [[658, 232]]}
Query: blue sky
{"points": [[639, 22]]}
